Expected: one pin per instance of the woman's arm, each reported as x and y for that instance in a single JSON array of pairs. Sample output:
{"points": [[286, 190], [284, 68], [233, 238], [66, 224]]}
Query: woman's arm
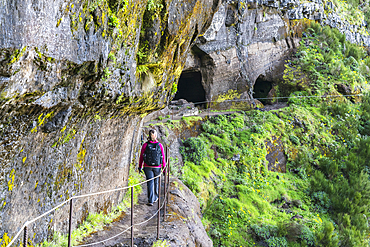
{"points": [[163, 156], [141, 159]]}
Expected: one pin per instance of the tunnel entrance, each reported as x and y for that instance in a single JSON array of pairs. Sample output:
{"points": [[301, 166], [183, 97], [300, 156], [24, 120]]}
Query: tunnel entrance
{"points": [[262, 89], [191, 89]]}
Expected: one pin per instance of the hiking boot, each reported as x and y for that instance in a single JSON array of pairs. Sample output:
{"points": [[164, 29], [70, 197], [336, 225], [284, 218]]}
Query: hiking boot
{"points": [[149, 204], [156, 200]]}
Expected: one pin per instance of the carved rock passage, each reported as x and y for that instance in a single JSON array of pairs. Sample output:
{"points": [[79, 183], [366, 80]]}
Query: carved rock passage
{"points": [[252, 39], [71, 100], [240, 45]]}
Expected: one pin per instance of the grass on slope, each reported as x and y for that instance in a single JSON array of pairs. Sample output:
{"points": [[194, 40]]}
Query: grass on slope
{"points": [[323, 198], [321, 201]]}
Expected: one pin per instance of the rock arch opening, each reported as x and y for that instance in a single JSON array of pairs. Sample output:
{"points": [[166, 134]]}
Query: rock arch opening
{"points": [[261, 89], [191, 89]]}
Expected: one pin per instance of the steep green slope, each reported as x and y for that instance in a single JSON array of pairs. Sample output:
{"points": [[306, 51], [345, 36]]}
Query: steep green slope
{"points": [[322, 198]]}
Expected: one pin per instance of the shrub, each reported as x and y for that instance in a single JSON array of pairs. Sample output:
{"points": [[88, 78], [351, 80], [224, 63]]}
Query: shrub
{"points": [[322, 201], [294, 139], [264, 232], [258, 129], [329, 167], [307, 236], [194, 150], [237, 121], [351, 237], [354, 51], [210, 128], [277, 242], [223, 122], [326, 236], [365, 116]]}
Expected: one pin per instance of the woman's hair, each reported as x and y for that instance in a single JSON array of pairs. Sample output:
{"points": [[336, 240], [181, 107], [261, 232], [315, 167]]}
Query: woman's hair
{"points": [[152, 131]]}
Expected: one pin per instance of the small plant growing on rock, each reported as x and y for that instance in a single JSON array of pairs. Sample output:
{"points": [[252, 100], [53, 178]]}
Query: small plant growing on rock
{"points": [[160, 243]]}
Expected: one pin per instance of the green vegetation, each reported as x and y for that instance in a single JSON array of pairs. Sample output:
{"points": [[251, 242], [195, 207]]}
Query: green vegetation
{"points": [[326, 63], [191, 119], [146, 53], [142, 69], [323, 198], [230, 95], [154, 7], [243, 202], [17, 55], [5, 240], [354, 11], [160, 243]]}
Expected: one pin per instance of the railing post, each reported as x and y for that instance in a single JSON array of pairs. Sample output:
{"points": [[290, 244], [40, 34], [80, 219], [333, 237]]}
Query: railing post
{"points": [[70, 222], [169, 170], [132, 216], [159, 206], [165, 191], [25, 236], [168, 175], [166, 185], [166, 152]]}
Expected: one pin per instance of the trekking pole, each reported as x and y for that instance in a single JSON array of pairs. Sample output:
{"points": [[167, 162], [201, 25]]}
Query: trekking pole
{"points": [[159, 206], [132, 216]]}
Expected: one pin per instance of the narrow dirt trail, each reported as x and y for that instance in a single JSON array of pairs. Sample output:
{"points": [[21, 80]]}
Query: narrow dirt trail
{"points": [[144, 235], [182, 228], [203, 114]]}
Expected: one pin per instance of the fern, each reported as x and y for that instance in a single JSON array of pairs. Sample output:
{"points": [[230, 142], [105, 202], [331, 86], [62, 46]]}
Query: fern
{"points": [[142, 69]]}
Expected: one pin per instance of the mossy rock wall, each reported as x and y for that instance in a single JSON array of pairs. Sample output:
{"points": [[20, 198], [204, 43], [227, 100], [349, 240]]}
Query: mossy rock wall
{"points": [[72, 98]]}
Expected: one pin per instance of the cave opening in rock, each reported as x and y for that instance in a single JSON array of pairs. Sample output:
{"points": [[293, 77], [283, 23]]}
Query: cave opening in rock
{"points": [[261, 89], [191, 89]]}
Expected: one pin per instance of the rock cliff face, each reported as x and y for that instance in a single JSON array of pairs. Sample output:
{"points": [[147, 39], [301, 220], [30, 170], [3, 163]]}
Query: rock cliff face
{"points": [[74, 87], [184, 218], [249, 41]]}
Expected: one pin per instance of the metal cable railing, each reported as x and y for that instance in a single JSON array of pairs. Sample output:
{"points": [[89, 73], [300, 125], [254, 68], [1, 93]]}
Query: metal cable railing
{"points": [[137, 224], [172, 111], [277, 98], [70, 200]]}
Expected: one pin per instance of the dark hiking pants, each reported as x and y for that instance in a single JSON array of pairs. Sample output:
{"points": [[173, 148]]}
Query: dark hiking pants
{"points": [[152, 185]]}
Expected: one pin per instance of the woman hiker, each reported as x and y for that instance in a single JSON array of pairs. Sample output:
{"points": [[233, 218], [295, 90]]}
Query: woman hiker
{"points": [[152, 155]]}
